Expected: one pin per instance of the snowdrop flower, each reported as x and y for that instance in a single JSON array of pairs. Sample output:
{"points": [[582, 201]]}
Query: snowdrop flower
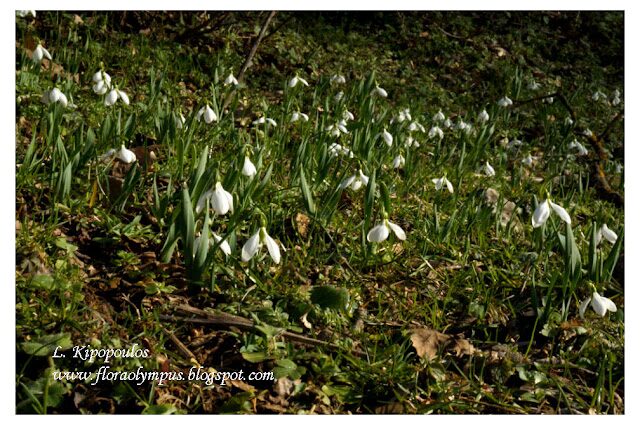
{"points": [[221, 200], [568, 121], [387, 137], [346, 115], [447, 123], [113, 96], [24, 13], [598, 95], [355, 182], [587, 133], [338, 97], [443, 182], [483, 116], [414, 126], [125, 155], [107, 156], [230, 80], [599, 304], [295, 80], [255, 242], [336, 149], [528, 161], [579, 147], [543, 211], [439, 117], [616, 101], [515, 143], [39, 53], [338, 79], [207, 113], [533, 85], [379, 91], [436, 131], [488, 170], [248, 169], [461, 125], [398, 161], [606, 233], [54, 96], [180, 120], [262, 120], [299, 115], [411, 143], [505, 102], [102, 82], [619, 168], [338, 128], [380, 232], [548, 100], [224, 245], [404, 115]]}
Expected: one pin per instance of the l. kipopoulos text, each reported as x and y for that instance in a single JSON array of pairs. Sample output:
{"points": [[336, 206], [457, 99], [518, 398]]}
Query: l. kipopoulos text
{"points": [[90, 354]]}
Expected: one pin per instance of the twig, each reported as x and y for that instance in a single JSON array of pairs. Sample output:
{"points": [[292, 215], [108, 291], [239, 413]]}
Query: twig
{"points": [[186, 353], [247, 61]]}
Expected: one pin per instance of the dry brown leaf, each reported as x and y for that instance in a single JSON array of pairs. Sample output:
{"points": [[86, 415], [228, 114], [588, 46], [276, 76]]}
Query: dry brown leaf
{"points": [[428, 342], [77, 20], [302, 224], [462, 347]]}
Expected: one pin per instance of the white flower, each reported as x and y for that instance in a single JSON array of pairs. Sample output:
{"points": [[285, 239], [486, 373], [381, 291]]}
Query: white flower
{"points": [[616, 101], [381, 232], [533, 85], [398, 161], [255, 242], [295, 80], [346, 115], [607, 233], [105, 157], [483, 116], [447, 123], [54, 96], [387, 137], [338, 79], [461, 125], [568, 121], [338, 97], [355, 182], [443, 182], [528, 161], [248, 169], [581, 150], [598, 95], [505, 102], [39, 53], [24, 13], [299, 115], [548, 100], [439, 116], [221, 200], [230, 80], [224, 245], [587, 133], [515, 143], [404, 115], [262, 120], [102, 82], [207, 112], [599, 304], [379, 91], [543, 211], [113, 96], [336, 149], [436, 131], [180, 120], [416, 126], [488, 170], [409, 142], [125, 155]]}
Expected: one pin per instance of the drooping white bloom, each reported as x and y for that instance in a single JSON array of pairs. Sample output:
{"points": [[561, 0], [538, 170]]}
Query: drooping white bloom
{"points": [[338, 79], [436, 131], [125, 155], [483, 116], [230, 80], [263, 120], [355, 182], [336, 149], [39, 53], [616, 101], [533, 85], [379, 91], [346, 115], [447, 123], [548, 100], [398, 161], [295, 80], [337, 128], [599, 304], [515, 143], [296, 116], [488, 170], [587, 133], [114, 95], [443, 183], [528, 161], [380, 232], [505, 102], [180, 120], [568, 121], [598, 95], [224, 245], [415, 125], [221, 200], [606, 233], [24, 13], [255, 242], [543, 211], [107, 156], [409, 142], [54, 96], [102, 82], [439, 117], [387, 137], [338, 97], [404, 115], [248, 169], [461, 125], [579, 147], [208, 114]]}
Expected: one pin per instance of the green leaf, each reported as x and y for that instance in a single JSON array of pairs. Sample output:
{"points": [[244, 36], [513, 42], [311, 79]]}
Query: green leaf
{"points": [[160, 409], [43, 281], [188, 223], [45, 345], [306, 194], [612, 259]]}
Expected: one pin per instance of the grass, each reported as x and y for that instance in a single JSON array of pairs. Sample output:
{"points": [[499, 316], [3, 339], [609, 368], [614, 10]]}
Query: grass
{"points": [[111, 254]]}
